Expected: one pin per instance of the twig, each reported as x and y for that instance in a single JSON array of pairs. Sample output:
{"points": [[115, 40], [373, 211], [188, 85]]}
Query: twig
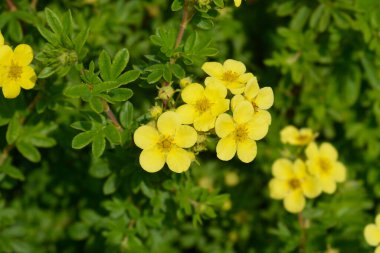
{"points": [[182, 26], [11, 5], [112, 116], [33, 4], [303, 238]]}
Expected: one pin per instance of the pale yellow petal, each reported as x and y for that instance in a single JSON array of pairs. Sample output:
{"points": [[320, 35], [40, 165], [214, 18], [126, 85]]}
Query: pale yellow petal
{"points": [[152, 160], [220, 106], [23, 55], [339, 172], [192, 93], [312, 150], [178, 160], [299, 169], [265, 98], [282, 169], [28, 78], [204, 122], [234, 66], [252, 89], [1, 39], [377, 250], [186, 113], [215, 81], [237, 99], [226, 148], [237, 3], [288, 134], [185, 137], [215, 90], [311, 188], [237, 91], [243, 112], [328, 150], [11, 89], [145, 137], [244, 78], [265, 115], [328, 184], [377, 220], [168, 123], [294, 202], [372, 234], [257, 126], [6, 55], [214, 69], [224, 125], [247, 150], [278, 188]]}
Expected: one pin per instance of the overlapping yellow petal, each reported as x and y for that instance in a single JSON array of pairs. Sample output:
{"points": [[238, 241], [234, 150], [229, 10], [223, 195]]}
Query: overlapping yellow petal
{"points": [[224, 125], [214, 69], [185, 137], [168, 123], [243, 112], [234, 66], [265, 98], [257, 127], [252, 89], [205, 121], [312, 150], [247, 150], [192, 93], [215, 90], [282, 169], [226, 148], [178, 160], [237, 99], [311, 187], [145, 137], [278, 189], [186, 113]]}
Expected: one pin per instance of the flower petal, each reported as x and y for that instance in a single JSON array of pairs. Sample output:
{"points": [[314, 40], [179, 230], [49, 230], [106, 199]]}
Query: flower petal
{"points": [[244, 78], [224, 125], [178, 160], [243, 112], [152, 160], [372, 234], [220, 106], [215, 81], [1, 39], [312, 151], [237, 91], [28, 78], [237, 99], [265, 98], [6, 55], [288, 134], [257, 128], [252, 89], [278, 188], [185, 137], [11, 89], [328, 184], [237, 3], [377, 250], [311, 187], [204, 122], [23, 55], [146, 137], [328, 150], [186, 113], [168, 123], [247, 150], [339, 172], [282, 169], [234, 66], [226, 148], [265, 115], [215, 90], [377, 220], [192, 93], [299, 169], [294, 202], [214, 69]]}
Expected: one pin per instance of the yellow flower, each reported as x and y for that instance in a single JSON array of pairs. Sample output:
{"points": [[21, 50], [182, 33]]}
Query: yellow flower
{"points": [[322, 163], [166, 144], [292, 183], [239, 133], [237, 3], [155, 111], [1, 39], [230, 75], [14, 70], [293, 136], [184, 82], [261, 99], [372, 234], [203, 105]]}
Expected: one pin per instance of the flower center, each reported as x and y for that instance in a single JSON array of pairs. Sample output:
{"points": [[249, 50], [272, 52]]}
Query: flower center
{"points": [[14, 72], [241, 133], [325, 165], [230, 76], [294, 183], [202, 105], [165, 143]]}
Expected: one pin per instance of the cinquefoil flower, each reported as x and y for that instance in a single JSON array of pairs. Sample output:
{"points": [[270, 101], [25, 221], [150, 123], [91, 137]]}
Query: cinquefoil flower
{"points": [[293, 136], [239, 133], [203, 105], [261, 99], [166, 144], [372, 234], [230, 75], [323, 163], [14, 70], [237, 3], [292, 183]]}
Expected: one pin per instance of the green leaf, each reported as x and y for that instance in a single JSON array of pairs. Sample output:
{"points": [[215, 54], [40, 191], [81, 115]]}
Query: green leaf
{"points": [[14, 129], [167, 74], [96, 104], [15, 30], [219, 3], [98, 145], [112, 134], [41, 141], [126, 115], [81, 39], [12, 171], [178, 71], [371, 72], [105, 86], [120, 94], [128, 77], [49, 36], [46, 72], [28, 151], [154, 77], [105, 66], [119, 63], [82, 125], [83, 139], [205, 24], [53, 21], [177, 5], [99, 168], [78, 231], [109, 186], [77, 91]]}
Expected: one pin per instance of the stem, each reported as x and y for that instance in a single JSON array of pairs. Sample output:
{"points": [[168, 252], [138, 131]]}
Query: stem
{"points": [[11, 5], [303, 238], [182, 26], [33, 4], [112, 116]]}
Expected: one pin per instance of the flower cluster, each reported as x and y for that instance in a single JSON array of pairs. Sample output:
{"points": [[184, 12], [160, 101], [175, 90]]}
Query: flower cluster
{"points": [[314, 171], [15, 72], [205, 111], [372, 234]]}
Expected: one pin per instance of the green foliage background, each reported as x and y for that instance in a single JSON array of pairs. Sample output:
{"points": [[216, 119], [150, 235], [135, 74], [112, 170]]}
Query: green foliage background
{"points": [[322, 58]]}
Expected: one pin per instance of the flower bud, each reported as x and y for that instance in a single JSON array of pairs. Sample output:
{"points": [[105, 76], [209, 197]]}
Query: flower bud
{"points": [[184, 82], [166, 92], [155, 111]]}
